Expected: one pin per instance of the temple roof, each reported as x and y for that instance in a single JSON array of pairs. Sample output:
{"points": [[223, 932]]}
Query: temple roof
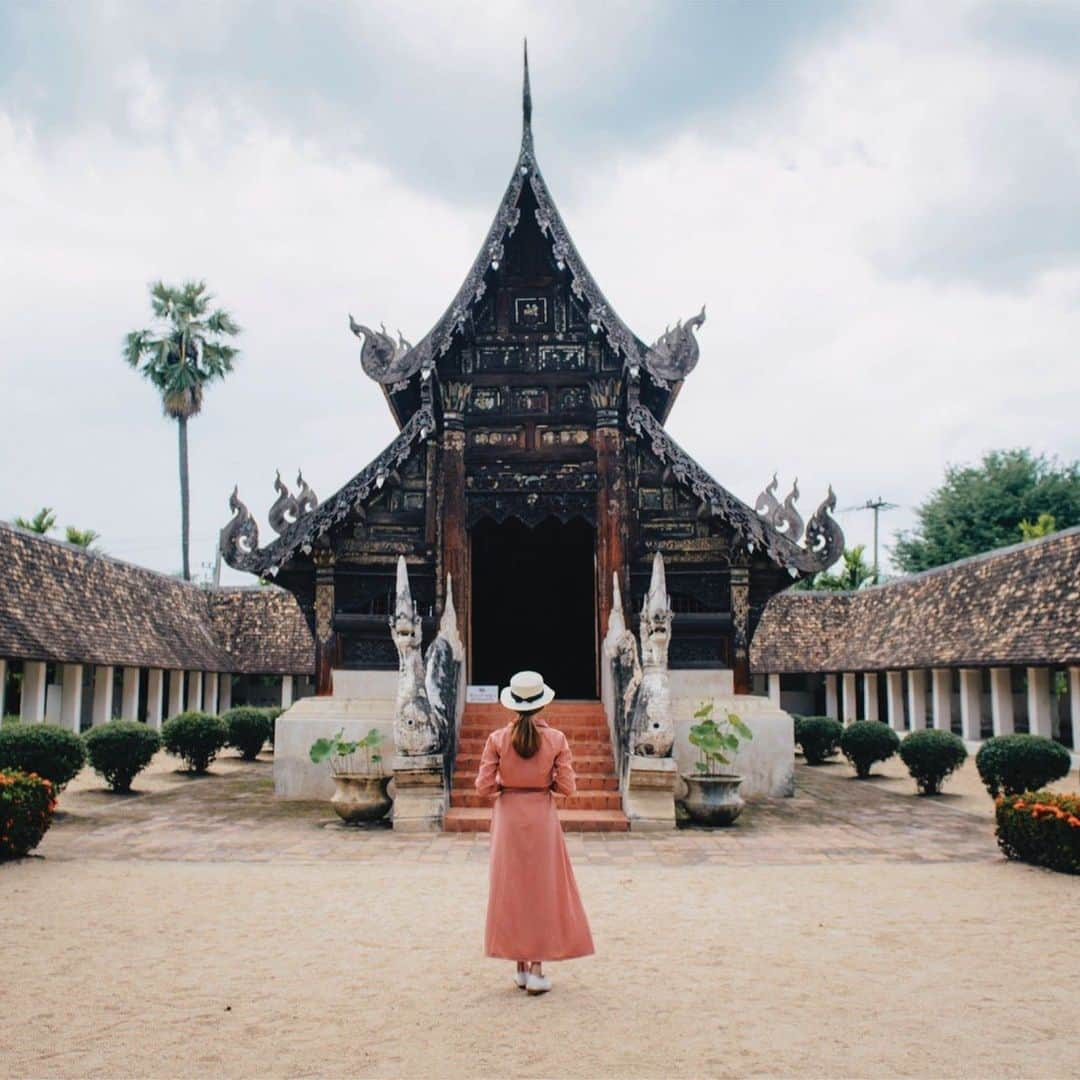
{"points": [[394, 363], [1015, 606], [61, 603]]}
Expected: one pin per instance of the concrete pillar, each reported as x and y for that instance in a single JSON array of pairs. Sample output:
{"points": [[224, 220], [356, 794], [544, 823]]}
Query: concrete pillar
{"points": [[194, 691], [225, 691], [774, 689], [71, 700], [1001, 702], [916, 687], [1074, 706], [971, 703], [210, 685], [155, 687], [129, 698], [176, 694], [286, 691], [870, 695], [1040, 714], [831, 708], [941, 697], [103, 694], [3, 687], [33, 691], [894, 699], [850, 697]]}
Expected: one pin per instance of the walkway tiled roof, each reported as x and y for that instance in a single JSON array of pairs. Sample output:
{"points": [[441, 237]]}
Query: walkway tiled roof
{"points": [[1017, 605], [63, 604]]}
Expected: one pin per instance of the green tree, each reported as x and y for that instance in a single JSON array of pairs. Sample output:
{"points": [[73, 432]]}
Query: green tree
{"points": [[980, 507], [84, 538], [1044, 525], [41, 523], [855, 573], [184, 352]]}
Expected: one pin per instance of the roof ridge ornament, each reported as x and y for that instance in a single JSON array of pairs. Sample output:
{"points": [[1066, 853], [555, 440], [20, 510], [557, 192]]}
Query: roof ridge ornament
{"points": [[675, 353], [526, 102]]}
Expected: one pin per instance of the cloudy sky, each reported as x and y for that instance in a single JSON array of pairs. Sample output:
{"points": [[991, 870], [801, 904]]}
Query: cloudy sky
{"points": [[876, 201]]}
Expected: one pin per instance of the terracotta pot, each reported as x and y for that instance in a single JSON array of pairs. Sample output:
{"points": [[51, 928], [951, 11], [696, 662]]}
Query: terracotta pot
{"points": [[361, 797], [713, 800]]}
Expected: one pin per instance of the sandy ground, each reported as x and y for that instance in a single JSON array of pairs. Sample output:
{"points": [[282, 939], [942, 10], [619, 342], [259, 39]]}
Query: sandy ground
{"points": [[852, 967]]}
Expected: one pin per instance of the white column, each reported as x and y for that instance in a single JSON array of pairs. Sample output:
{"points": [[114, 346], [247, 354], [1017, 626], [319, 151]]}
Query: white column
{"points": [[941, 697], [1074, 706], [971, 703], [225, 691], [774, 689], [894, 699], [831, 708], [210, 685], [870, 695], [849, 697], [1001, 702], [3, 687], [155, 686], [286, 691], [129, 698], [103, 695], [176, 694], [194, 691], [916, 701], [1038, 701], [33, 691], [71, 701]]}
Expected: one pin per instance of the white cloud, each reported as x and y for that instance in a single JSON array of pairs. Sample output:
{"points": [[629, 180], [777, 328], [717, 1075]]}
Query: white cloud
{"points": [[803, 221]]}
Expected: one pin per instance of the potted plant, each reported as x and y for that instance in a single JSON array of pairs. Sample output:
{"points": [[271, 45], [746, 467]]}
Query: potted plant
{"points": [[359, 781], [713, 797]]}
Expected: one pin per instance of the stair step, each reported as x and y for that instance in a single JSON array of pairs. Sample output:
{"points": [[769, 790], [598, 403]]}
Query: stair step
{"points": [[464, 781], [582, 800], [478, 819]]}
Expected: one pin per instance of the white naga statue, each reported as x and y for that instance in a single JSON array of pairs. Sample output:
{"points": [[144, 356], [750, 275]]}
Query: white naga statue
{"points": [[644, 683], [427, 685]]}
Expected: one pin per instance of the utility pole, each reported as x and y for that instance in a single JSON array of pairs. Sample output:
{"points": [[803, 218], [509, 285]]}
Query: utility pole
{"points": [[877, 505]]}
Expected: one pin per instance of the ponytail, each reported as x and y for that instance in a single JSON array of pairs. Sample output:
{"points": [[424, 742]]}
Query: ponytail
{"points": [[526, 739]]}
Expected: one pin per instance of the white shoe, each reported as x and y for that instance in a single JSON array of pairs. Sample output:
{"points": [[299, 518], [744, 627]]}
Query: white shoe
{"points": [[537, 984], [520, 977]]}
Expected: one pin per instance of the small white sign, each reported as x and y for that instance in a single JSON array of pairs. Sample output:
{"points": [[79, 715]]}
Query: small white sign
{"points": [[481, 695]]}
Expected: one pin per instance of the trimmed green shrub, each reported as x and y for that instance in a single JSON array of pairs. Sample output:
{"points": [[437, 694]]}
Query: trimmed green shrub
{"points": [[27, 802], [867, 741], [1041, 827], [819, 737], [249, 728], [931, 756], [120, 750], [49, 751], [273, 712], [1016, 763], [196, 738]]}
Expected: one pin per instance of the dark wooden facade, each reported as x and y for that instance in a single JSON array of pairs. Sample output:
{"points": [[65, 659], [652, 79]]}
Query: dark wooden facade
{"points": [[532, 466]]}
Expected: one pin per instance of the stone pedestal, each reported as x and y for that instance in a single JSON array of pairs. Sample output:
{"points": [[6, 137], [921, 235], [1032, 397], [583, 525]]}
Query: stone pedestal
{"points": [[420, 793], [649, 799]]}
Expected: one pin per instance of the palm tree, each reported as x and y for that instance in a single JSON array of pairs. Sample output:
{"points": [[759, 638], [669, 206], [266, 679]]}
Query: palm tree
{"points": [[84, 538], [41, 523], [180, 355]]}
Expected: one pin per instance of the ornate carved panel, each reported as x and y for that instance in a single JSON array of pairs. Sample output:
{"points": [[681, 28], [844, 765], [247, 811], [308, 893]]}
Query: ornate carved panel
{"points": [[501, 358], [550, 436], [563, 358], [532, 313], [528, 399], [501, 438]]}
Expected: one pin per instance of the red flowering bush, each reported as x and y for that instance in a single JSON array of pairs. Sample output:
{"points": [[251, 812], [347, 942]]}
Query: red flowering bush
{"points": [[1041, 827], [26, 808]]}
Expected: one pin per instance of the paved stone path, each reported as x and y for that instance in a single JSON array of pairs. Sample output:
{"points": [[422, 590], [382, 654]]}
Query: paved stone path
{"points": [[232, 816]]}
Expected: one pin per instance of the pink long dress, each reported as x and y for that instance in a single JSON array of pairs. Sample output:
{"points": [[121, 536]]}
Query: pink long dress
{"points": [[534, 910]]}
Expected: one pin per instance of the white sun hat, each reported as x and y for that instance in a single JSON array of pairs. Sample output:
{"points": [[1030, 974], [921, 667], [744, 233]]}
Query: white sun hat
{"points": [[527, 690]]}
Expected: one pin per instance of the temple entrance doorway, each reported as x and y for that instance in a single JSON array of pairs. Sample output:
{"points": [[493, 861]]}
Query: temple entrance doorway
{"points": [[534, 603]]}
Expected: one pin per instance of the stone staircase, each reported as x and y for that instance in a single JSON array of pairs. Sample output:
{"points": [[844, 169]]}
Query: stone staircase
{"points": [[596, 806]]}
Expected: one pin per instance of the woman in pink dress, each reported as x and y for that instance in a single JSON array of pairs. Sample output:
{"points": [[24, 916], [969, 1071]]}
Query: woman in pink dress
{"points": [[534, 911]]}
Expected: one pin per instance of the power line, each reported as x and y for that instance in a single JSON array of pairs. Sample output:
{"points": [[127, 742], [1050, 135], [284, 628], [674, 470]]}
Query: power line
{"points": [[877, 505]]}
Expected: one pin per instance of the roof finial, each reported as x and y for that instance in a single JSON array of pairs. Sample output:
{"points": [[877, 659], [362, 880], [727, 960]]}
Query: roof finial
{"points": [[526, 98]]}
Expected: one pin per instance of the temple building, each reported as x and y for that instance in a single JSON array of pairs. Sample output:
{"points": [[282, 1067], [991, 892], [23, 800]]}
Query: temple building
{"points": [[532, 470]]}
